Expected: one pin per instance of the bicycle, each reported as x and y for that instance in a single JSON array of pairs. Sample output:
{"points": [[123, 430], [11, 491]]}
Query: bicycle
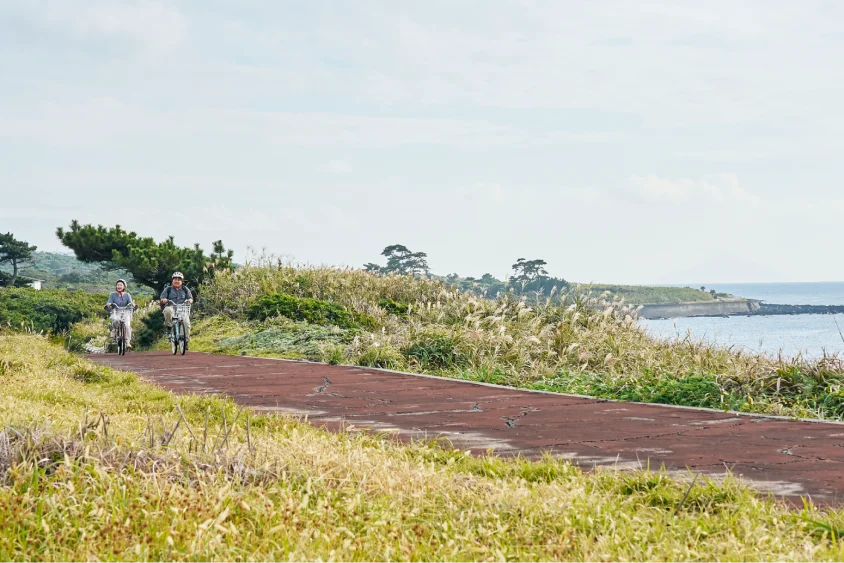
{"points": [[178, 343], [122, 316]]}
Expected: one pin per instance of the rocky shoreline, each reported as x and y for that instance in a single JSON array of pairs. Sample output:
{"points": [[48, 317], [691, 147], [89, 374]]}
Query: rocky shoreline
{"points": [[733, 308], [774, 309]]}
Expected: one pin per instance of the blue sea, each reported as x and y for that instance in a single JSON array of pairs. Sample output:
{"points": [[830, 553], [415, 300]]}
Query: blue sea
{"points": [[809, 335]]}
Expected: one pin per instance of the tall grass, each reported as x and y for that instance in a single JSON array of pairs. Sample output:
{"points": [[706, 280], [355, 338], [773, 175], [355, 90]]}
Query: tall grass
{"points": [[570, 342], [96, 464]]}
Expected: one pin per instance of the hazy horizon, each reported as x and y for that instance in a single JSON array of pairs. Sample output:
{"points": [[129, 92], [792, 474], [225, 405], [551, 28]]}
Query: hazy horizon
{"points": [[622, 143]]}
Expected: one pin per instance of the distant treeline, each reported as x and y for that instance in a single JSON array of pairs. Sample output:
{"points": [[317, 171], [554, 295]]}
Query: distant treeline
{"points": [[530, 278]]}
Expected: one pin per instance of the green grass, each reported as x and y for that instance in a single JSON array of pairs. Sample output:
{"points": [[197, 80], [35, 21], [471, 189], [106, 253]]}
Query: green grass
{"points": [[47, 310], [143, 487]]}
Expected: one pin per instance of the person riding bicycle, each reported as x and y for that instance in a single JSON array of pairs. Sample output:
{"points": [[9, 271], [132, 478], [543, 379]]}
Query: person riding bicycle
{"points": [[121, 298], [176, 294]]}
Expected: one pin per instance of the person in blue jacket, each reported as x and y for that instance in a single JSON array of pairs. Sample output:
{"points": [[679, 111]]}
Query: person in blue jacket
{"points": [[121, 298]]}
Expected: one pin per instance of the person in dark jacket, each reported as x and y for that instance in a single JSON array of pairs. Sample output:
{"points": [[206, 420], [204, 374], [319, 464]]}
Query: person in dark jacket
{"points": [[176, 293]]}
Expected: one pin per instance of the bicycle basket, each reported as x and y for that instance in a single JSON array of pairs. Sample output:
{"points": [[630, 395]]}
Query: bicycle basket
{"points": [[121, 314], [182, 311]]}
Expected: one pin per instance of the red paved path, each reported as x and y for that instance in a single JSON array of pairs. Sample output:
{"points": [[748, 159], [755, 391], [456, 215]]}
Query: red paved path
{"points": [[786, 457]]}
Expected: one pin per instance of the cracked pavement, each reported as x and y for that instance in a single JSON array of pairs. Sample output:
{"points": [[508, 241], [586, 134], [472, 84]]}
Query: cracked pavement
{"points": [[788, 458]]}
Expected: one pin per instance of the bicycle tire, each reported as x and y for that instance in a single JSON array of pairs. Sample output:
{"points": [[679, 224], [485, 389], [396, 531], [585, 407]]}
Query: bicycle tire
{"points": [[174, 339], [121, 343], [183, 343]]}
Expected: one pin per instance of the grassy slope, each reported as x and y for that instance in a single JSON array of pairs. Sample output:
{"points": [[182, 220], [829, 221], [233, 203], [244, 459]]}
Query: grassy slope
{"points": [[570, 349], [64, 271], [305, 494]]}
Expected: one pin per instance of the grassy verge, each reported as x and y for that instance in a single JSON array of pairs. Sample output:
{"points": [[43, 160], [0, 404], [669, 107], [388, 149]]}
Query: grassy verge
{"points": [[95, 463]]}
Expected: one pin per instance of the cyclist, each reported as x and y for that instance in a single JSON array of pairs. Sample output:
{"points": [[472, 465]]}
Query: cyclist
{"points": [[175, 294], [121, 298]]}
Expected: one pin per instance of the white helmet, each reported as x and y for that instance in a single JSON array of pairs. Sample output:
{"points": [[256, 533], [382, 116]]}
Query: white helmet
{"points": [[177, 275]]}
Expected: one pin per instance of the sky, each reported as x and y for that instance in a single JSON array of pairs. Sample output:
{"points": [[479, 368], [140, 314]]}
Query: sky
{"points": [[622, 142]]}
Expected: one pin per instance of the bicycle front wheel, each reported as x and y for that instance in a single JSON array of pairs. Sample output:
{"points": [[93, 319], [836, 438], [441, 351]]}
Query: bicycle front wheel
{"points": [[183, 342], [121, 341], [174, 339]]}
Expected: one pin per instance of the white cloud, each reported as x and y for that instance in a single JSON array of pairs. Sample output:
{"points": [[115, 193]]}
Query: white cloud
{"points": [[507, 200], [484, 192], [102, 119], [669, 62], [584, 196], [710, 189], [340, 166], [548, 103], [23, 213], [152, 26], [156, 25]]}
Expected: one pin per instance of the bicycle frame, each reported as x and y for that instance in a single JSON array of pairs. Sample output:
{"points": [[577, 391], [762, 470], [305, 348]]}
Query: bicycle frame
{"points": [[122, 316], [178, 342]]}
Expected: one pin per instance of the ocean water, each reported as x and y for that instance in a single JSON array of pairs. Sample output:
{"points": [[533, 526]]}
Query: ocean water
{"points": [[810, 335]]}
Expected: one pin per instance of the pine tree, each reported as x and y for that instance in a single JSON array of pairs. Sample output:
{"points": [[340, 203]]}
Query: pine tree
{"points": [[400, 260], [18, 253], [151, 264]]}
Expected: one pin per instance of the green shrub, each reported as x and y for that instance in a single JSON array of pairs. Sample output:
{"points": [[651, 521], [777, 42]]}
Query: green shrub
{"points": [[22, 281], [689, 390], [694, 391], [335, 355], [306, 309], [398, 308], [47, 310], [384, 357], [153, 329], [436, 351]]}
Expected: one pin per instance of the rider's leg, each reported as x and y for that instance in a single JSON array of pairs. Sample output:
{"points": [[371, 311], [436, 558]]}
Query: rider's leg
{"points": [[114, 325], [127, 330], [187, 329], [168, 317]]}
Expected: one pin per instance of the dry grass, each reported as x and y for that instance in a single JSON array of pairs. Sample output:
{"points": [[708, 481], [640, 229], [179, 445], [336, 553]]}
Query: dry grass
{"points": [[93, 466]]}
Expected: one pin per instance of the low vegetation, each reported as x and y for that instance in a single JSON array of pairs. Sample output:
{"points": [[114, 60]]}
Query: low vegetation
{"points": [[652, 295], [75, 318], [96, 464], [306, 309], [47, 310], [571, 341]]}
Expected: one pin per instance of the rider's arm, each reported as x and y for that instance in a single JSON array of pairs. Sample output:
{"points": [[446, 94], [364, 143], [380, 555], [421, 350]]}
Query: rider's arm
{"points": [[189, 295], [110, 301], [165, 295]]}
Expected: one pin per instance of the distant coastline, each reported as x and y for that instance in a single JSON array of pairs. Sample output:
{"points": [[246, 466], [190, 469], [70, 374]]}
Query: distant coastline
{"points": [[733, 307]]}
